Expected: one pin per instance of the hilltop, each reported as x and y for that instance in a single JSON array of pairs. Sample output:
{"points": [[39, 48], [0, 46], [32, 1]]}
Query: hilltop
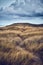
{"points": [[21, 44]]}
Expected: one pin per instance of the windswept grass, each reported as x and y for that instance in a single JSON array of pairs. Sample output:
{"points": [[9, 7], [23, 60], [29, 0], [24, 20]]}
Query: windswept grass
{"points": [[21, 44]]}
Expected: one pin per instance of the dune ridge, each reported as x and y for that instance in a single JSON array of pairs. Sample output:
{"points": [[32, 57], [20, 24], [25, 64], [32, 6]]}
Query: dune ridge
{"points": [[21, 44]]}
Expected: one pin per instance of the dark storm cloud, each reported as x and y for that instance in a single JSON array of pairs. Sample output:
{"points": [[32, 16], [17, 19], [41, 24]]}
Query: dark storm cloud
{"points": [[23, 9], [28, 7]]}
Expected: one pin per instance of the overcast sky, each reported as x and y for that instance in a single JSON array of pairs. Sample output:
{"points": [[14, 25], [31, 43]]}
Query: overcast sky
{"points": [[21, 11]]}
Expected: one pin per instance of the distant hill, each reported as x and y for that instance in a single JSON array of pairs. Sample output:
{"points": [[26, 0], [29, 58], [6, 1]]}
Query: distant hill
{"points": [[21, 44], [28, 24]]}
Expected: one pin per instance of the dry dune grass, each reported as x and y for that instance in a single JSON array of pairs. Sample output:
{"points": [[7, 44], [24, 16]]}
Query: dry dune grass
{"points": [[21, 44]]}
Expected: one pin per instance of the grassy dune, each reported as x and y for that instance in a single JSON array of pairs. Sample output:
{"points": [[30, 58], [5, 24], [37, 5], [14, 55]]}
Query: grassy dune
{"points": [[21, 44]]}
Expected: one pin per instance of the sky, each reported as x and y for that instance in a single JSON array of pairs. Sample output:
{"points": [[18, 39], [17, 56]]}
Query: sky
{"points": [[21, 11]]}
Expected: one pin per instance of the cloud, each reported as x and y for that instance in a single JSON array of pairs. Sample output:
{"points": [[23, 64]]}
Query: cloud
{"points": [[1, 9], [22, 9]]}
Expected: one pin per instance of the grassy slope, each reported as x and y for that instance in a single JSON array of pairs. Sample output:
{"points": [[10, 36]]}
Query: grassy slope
{"points": [[21, 44]]}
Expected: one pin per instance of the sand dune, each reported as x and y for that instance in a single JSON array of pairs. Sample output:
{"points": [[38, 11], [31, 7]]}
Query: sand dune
{"points": [[21, 44]]}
